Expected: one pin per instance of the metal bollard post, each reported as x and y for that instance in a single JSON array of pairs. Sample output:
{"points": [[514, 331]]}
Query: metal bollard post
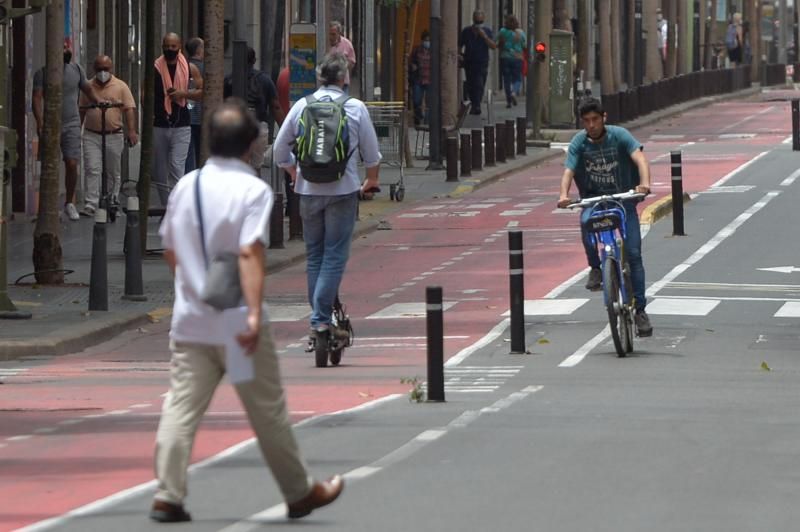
{"points": [[435, 331], [98, 275], [522, 138], [517, 292], [477, 148], [677, 194], [488, 146], [500, 142], [795, 125], [511, 151], [276, 223], [295, 221], [466, 155], [134, 286], [452, 159]]}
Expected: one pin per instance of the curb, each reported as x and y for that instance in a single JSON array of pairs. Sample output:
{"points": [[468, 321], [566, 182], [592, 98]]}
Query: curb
{"points": [[659, 209], [80, 337]]}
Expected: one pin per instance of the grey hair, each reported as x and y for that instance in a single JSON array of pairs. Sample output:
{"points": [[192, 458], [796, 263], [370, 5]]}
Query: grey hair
{"points": [[338, 25], [332, 69]]}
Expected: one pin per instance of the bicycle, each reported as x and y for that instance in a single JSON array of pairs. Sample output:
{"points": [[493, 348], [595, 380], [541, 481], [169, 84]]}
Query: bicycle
{"points": [[607, 228], [340, 335]]}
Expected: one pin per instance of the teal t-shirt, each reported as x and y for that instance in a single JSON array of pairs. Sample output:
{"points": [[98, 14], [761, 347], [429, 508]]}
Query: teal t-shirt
{"points": [[605, 168], [513, 43]]}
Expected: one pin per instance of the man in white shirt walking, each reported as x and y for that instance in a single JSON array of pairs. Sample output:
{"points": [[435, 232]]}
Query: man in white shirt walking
{"points": [[329, 209], [238, 225]]}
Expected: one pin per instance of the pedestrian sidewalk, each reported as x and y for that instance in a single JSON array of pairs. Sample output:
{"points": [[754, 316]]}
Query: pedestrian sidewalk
{"points": [[61, 322]]}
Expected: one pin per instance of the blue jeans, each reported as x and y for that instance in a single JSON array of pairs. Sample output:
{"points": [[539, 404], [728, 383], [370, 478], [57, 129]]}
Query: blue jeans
{"points": [[633, 251], [419, 92], [512, 74], [328, 223]]}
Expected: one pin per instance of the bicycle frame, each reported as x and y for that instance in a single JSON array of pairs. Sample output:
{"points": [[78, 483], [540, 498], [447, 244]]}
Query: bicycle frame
{"points": [[611, 241]]}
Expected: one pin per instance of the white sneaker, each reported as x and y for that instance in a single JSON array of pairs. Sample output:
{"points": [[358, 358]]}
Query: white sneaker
{"points": [[72, 212]]}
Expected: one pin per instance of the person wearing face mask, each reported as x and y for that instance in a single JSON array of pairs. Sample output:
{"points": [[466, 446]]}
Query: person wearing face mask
{"points": [[420, 75], [112, 89], [74, 80], [172, 131], [476, 40]]}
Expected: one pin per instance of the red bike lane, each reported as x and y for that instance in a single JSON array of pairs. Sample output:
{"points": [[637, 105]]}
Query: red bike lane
{"points": [[81, 427]]}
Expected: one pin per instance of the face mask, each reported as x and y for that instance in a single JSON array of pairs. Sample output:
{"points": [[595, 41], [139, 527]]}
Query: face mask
{"points": [[426, 44], [659, 17], [170, 55], [67, 56], [103, 76]]}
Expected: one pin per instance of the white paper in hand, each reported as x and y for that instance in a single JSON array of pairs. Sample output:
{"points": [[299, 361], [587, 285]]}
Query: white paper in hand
{"points": [[239, 365]]}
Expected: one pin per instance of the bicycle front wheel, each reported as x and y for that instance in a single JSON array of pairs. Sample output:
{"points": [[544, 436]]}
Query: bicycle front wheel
{"points": [[611, 291]]}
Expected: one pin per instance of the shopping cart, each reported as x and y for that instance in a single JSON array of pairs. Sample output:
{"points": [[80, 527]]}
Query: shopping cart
{"points": [[389, 121]]}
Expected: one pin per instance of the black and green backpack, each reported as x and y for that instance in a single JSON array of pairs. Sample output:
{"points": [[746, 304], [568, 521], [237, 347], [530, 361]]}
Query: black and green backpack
{"points": [[323, 140]]}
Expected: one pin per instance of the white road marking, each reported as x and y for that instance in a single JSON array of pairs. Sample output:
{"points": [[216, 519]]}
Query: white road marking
{"points": [[515, 212], [747, 119], [682, 307], [287, 312], [45, 430], [404, 311], [575, 358], [550, 307], [360, 473], [727, 136], [791, 179], [413, 215], [512, 223], [728, 189], [790, 309], [386, 296], [67, 422], [140, 405], [490, 337], [21, 437], [736, 171], [666, 137]]}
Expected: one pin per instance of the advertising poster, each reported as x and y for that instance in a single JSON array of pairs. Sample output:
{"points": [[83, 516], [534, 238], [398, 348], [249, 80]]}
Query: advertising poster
{"points": [[302, 61]]}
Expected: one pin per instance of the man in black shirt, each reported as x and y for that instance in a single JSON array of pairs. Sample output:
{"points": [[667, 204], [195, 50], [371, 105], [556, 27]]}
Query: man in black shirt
{"points": [[172, 121], [476, 40]]}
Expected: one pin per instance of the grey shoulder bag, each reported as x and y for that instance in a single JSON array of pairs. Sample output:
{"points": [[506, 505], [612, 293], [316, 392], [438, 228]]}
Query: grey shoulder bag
{"points": [[222, 288]]}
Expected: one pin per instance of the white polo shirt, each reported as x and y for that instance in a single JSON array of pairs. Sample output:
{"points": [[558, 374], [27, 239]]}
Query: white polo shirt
{"points": [[236, 207], [363, 143]]}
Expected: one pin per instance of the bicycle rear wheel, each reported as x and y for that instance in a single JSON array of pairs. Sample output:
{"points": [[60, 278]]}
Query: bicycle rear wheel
{"points": [[629, 311], [611, 290]]}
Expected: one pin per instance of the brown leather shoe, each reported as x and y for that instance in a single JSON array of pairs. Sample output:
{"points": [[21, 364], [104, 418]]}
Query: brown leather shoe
{"points": [[322, 493], [165, 512]]}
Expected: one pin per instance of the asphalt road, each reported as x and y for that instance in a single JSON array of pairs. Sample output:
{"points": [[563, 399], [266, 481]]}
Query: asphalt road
{"points": [[696, 430]]}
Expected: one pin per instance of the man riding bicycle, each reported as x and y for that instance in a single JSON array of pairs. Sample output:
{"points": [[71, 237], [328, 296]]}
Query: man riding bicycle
{"points": [[608, 160]]}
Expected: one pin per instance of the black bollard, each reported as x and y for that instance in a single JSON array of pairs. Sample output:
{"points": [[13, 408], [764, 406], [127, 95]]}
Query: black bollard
{"points": [[452, 158], [511, 150], [795, 124], [466, 155], [517, 292], [435, 330], [677, 194], [276, 224], [500, 142], [295, 222], [98, 276], [477, 149], [134, 286], [488, 146], [522, 140]]}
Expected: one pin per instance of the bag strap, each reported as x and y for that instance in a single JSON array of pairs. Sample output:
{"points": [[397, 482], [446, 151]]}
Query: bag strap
{"points": [[199, 206]]}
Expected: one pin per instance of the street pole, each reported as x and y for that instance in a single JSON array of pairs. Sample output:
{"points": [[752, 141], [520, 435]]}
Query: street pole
{"points": [[638, 64], [532, 97], [435, 91], [696, 38], [782, 31]]}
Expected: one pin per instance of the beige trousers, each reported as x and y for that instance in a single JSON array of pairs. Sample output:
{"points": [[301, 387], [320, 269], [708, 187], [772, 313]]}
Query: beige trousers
{"points": [[195, 372]]}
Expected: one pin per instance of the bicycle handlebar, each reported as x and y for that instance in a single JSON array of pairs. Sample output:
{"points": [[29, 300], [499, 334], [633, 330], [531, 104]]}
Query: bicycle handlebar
{"points": [[622, 196]]}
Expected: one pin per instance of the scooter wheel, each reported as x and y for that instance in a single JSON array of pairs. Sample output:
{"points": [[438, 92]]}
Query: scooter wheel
{"points": [[321, 350], [400, 194], [336, 356]]}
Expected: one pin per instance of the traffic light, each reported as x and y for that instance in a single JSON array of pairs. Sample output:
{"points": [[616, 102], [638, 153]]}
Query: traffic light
{"points": [[540, 51]]}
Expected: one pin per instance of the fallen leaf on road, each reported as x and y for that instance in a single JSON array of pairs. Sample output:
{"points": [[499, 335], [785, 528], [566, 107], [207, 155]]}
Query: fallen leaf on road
{"points": [[543, 341], [364, 394], [765, 366]]}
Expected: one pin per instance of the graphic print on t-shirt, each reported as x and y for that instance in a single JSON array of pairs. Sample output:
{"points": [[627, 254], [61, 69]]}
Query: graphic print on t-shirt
{"points": [[601, 167]]}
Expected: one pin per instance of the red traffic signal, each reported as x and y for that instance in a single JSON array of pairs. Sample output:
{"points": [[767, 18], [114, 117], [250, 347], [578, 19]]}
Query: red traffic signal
{"points": [[540, 49]]}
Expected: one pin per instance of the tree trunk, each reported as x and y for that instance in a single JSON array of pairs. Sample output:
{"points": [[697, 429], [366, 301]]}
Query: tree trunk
{"points": [[583, 38], [711, 34], [47, 259], [148, 104], [450, 72], [607, 83], [672, 19], [411, 25], [214, 64], [684, 44], [652, 58]]}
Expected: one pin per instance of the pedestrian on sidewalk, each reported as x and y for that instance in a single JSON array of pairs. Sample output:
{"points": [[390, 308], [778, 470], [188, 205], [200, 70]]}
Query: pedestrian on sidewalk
{"points": [[172, 131], [237, 225], [195, 48], [474, 43], [339, 44], [74, 81], [608, 160], [111, 89], [511, 41], [328, 208], [420, 76], [734, 40]]}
